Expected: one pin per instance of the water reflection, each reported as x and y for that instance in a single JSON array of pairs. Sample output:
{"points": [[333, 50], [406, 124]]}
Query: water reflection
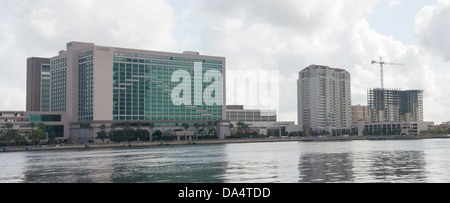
{"points": [[74, 167], [398, 166], [325, 168], [360, 161], [261, 163], [172, 164], [387, 166]]}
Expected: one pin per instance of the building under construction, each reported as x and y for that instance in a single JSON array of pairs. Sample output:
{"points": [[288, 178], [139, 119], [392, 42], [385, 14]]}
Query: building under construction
{"points": [[394, 105]]}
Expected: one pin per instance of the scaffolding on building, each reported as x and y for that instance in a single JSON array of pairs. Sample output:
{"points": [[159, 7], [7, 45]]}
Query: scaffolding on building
{"points": [[395, 105]]}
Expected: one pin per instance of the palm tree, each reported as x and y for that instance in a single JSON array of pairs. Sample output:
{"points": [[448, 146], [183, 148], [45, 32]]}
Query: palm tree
{"points": [[127, 124], [86, 126], [152, 125], [242, 128], [231, 128], [203, 125], [41, 126], [210, 127], [52, 137], [40, 135], [102, 134], [113, 126], [9, 125], [32, 126], [197, 126], [103, 127], [11, 135], [186, 126], [138, 125]]}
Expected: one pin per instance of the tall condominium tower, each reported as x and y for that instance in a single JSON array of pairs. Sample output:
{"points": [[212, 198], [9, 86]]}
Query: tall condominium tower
{"points": [[324, 98], [391, 105], [38, 84], [99, 83]]}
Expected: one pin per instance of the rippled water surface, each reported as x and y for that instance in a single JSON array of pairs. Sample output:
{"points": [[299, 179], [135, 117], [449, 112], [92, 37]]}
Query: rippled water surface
{"points": [[355, 161]]}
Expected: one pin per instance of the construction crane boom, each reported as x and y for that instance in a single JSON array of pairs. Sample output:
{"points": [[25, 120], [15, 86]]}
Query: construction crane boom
{"points": [[382, 63]]}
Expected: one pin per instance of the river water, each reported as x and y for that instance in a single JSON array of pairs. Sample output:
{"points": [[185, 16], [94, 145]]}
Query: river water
{"points": [[414, 161]]}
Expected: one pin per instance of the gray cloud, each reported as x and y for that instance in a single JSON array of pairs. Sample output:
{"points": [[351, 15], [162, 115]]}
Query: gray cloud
{"points": [[286, 35], [433, 28], [290, 35], [43, 27]]}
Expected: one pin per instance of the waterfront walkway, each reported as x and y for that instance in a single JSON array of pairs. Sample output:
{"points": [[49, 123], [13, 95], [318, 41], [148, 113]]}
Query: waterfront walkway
{"points": [[201, 142]]}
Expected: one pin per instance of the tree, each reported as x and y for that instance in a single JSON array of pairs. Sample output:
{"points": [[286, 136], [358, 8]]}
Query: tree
{"points": [[127, 131], [52, 137], [33, 138], [86, 126], [11, 135], [32, 126], [40, 135], [142, 135], [314, 133], [113, 126], [197, 126], [365, 132], [129, 134], [102, 134], [152, 125], [210, 127], [242, 128], [186, 126], [9, 125], [138, 125], [103, 127], [41, 126], [231, 128]]}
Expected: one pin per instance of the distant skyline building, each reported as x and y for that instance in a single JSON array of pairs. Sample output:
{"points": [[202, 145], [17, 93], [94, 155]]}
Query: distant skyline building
{"points": [[38, 84], [360, 113], [324, 98], [261, 121], [237, 113], [395, 105]]}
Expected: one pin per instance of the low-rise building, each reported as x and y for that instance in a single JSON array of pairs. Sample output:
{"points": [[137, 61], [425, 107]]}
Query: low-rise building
{"points": [[393, 128], [17, 119], [236, 113], [260, 121], [22, 121], [360, 113]]}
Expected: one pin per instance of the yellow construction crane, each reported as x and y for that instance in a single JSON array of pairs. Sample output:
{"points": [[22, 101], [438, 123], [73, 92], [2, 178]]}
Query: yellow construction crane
{"points": [[382, 63]]}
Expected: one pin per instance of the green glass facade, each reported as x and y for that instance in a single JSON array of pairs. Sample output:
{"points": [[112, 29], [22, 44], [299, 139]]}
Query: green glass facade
{"points": [[36, 118], [143, 88], [45, 87]]}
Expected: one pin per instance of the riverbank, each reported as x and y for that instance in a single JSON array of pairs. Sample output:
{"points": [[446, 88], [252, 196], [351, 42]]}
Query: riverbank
{"points": [[203, 142]]}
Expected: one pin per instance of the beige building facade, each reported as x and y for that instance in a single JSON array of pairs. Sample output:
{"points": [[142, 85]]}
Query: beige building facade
{"points": [[360, 113], [324, 98]]}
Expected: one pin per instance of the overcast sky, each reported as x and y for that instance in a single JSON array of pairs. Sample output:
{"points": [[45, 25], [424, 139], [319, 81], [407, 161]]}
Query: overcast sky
{"points": [[283, 35]]}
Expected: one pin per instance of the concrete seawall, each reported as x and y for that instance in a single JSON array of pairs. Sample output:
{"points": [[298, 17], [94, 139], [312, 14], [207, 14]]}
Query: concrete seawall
{"points": [[203, 142]]}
